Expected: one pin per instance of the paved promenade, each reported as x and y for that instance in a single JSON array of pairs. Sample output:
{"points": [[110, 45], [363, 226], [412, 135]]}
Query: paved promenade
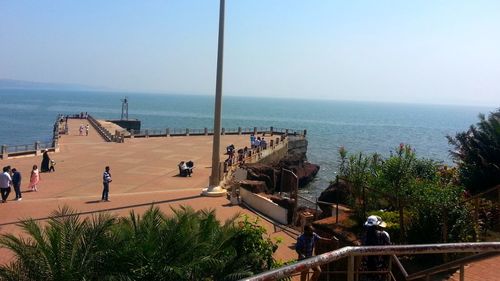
{"points": [[144, 172]]}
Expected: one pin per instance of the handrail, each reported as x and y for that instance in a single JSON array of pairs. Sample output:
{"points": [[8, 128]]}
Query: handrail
{"points": [[107, 136], [207, 131], [479, 195], [352, 252], [447, 266]]}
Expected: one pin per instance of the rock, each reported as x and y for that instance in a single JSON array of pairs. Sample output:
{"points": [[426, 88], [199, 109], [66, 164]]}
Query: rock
{"points": [[337, 191], [262, 172], [254, 186], [305, 171]]}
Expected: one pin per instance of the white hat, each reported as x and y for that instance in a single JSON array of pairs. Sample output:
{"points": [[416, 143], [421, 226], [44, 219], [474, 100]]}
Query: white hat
{"points": [[375, 221]]}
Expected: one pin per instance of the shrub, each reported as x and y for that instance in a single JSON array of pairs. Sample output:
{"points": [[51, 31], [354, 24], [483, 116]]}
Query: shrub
{"points": [[477, 153]]}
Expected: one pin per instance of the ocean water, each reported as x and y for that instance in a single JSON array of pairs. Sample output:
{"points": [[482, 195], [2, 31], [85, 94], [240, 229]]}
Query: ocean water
{"points": [[28, 115]]}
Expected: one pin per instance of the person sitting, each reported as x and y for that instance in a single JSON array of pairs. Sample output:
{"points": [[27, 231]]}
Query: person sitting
{"points": [[190, 166], [184, 171]]}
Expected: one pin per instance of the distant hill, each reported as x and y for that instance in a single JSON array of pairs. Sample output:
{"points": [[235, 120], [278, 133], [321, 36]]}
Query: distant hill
{"points": [[31, 85]]}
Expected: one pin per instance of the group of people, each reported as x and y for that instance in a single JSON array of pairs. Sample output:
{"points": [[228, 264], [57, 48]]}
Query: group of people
{"points": [[257, 142], [84, 129], [375, 235], [11, 178]]}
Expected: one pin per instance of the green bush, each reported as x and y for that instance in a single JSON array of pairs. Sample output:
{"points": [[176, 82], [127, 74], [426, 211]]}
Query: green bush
{"points": [[189, 245]]}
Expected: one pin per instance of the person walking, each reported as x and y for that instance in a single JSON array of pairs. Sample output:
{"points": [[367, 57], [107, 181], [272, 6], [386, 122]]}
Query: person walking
{"points": [[87, 127], [305, 247], [376, 236], [5, 183], [106, 179], [16, 182], [34, 179]]}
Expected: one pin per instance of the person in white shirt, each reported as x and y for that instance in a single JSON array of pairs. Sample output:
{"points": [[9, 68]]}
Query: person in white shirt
{"points": [[5, 183], [106, 179]]}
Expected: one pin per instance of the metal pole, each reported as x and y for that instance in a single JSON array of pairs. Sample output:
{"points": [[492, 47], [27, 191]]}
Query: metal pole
{"points": [[350, 268], [214, 180]]}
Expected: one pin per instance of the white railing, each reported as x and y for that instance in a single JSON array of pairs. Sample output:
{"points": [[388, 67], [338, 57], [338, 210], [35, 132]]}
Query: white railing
{"points": [[351, 253]]}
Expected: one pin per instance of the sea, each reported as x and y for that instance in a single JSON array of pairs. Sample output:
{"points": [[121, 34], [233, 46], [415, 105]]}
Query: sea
{"points": [[27, 116]]}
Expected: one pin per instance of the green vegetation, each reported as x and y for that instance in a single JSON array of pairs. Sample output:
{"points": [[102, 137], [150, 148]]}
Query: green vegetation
{"points": [[477, 153], [420, 199], [189, 245]]}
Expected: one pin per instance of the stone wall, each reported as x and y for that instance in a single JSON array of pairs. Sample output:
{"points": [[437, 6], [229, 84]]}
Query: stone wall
{"points": [[297, 147]]}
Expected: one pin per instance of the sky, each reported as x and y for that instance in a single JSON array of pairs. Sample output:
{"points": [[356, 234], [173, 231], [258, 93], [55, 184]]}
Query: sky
{"points": [[425, 51]]}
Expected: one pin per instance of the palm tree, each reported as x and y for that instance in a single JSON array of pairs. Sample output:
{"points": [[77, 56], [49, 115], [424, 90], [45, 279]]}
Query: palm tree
{"points": [[68, 247], [190, 245], [477, 153]]}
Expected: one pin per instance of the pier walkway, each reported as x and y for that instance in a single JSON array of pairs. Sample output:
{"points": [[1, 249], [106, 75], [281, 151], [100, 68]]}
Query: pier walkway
{"points": [[144, 172]]}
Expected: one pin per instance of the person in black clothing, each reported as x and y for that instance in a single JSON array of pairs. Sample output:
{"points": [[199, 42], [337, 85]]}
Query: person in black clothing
{"points": [[44, 167], [16, 182], [375, 236]]}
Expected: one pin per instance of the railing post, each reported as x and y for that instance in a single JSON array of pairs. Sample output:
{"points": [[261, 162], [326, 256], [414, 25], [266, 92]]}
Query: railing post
{"points": [[462, 272], [167, 132], [37, 148], [132, 133], [206, 131], [5, 155], [187, 132], [239, 130], [271, 143], [350, 268], [476, 219]]}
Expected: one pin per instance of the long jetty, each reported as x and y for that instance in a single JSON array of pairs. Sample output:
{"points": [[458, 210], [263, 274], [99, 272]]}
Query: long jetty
{"points": [[144, 172]]}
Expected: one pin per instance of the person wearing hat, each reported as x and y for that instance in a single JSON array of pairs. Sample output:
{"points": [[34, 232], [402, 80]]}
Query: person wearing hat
{"points": [[375, 236], [375, 233]]}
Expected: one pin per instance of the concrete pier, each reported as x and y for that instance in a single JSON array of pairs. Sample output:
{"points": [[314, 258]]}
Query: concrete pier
{"points": [[144, 172]]}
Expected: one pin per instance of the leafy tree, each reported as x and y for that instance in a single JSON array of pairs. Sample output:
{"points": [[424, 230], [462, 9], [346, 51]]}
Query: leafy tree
{"points": [[358, 170], [423, 194], [397, 176], [477, 153]]}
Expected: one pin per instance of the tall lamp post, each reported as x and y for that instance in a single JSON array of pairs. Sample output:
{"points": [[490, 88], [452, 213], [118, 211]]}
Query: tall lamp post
{"points": [[213, 188]]}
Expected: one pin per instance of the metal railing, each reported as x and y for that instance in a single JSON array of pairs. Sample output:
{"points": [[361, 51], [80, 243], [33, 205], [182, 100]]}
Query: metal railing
{"points": [[103, 132], [8, 151], [353, 272], [206, 131]]}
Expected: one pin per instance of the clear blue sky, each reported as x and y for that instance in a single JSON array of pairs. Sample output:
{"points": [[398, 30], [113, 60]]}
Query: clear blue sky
{"points": [[402, 51]]}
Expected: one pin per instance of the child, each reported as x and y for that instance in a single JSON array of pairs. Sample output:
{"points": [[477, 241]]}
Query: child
{"points": [[34, 178], [52, 167]]}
